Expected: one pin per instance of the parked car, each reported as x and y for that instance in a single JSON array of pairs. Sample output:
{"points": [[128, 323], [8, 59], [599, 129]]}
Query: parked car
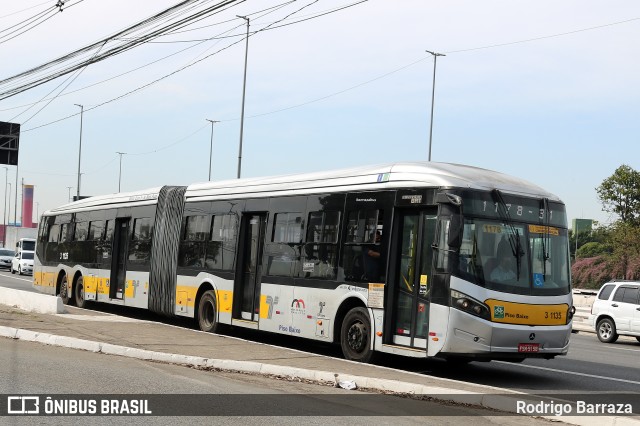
{"points": [[616, 311], [6, 256], [22, 263]]}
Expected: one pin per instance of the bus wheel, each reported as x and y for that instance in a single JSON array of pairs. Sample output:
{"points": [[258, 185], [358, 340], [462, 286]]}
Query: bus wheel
{"points": [[207, 312], [79, 290], [64, 290], [355, 336]]}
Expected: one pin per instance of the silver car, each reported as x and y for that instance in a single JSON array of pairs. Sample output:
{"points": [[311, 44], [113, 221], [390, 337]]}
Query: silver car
{"points": [[6, 255]]}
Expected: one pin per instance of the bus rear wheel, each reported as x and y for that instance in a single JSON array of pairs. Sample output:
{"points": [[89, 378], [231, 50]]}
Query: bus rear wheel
{"points": [[79, 290], [355, 336], [64, 290], [208, 313]]}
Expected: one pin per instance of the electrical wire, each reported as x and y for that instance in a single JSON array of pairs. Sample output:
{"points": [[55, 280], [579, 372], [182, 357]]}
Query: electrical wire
{"points": [[122, 47], [139, 88], [271, 28], [33, 22], [25, 9], [153, 62]]}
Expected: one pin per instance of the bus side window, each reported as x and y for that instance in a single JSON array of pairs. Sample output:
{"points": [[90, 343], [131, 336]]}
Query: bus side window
{"points": [[362, 257], [54, 233]]}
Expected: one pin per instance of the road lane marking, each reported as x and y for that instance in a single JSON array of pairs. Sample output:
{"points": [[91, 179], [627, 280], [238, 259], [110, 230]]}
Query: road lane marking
{"points": [[593, 376]]}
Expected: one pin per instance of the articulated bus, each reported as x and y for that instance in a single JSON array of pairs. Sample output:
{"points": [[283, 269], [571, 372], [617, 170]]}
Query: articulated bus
{"points": [[415, 259]]}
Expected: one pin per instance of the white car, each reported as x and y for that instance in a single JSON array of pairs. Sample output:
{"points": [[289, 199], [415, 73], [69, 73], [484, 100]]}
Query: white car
{"points": [[22, 263], [616, 311], [6, 256]]}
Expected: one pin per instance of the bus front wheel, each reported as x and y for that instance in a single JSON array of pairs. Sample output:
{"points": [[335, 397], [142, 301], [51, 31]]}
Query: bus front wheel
{"points": [[208, 313], [355, 336]]}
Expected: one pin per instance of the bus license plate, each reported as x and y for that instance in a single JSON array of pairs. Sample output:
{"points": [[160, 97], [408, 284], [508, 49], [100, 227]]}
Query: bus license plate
{"points": [[528, 347]]}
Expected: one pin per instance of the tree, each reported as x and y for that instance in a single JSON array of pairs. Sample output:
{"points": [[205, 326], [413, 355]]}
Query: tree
{"points": [[620, 194], [624, 261]]}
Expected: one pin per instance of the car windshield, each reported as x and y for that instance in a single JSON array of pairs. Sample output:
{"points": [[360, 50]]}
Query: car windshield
{"points": [[6, 252], [27, 255]]}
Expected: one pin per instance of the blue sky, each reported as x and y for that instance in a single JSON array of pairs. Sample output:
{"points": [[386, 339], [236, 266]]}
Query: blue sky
{"points": [[346, 89]]}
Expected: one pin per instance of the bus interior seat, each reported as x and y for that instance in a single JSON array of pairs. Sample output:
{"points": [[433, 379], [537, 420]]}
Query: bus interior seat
{"points": [[490, 265]]}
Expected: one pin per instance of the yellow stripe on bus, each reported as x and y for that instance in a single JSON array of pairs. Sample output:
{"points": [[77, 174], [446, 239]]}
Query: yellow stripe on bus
{"points": [[186, 296], [527, 314]]}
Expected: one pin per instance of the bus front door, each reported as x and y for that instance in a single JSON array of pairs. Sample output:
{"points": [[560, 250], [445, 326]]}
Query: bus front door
{"points": [[247, 294], [415, 230], [119, 258]]}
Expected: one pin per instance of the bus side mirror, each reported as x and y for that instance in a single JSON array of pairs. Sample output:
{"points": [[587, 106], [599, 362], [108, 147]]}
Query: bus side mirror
{"points": [[451, 204]]}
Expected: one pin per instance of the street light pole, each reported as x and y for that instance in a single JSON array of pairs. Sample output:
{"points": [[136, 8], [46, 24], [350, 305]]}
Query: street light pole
{"points": [[9, 210], [244, 86], [120, 175], [79, 148], [433, 95], [211, 146], [4, 212]]}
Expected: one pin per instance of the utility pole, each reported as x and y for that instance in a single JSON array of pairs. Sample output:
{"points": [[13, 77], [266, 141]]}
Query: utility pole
{"points": [[211, 146], [79, 149], [244, 86], [433, 94], [5, 217], [120, 175]]}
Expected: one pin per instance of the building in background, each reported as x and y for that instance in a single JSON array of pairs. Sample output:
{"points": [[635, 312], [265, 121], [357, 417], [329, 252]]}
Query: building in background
{"points": [[10, 232]]}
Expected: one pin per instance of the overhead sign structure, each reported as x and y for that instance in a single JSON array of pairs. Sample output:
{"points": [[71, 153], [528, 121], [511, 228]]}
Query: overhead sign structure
{"points": [[9, 142]]}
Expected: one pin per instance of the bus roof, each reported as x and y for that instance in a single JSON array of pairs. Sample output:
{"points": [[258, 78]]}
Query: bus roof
{"points": [[365, 178], [377, 177], [121, 199]]}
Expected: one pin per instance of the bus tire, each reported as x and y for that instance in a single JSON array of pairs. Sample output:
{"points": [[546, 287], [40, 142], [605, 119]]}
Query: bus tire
{"points": [[79, 293], [64, 290], [606, 329], [208, 313], [355, 336]]}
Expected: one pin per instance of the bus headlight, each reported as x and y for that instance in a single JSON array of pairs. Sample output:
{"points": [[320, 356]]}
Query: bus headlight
{"points": [[469, 305]]}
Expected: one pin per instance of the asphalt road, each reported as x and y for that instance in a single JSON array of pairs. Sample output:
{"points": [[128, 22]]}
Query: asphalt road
{"points": [[590, 366], [31, 368]]}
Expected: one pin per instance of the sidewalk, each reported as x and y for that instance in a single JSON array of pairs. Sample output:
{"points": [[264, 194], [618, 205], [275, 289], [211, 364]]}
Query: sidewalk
{"points": [[115, 335]]}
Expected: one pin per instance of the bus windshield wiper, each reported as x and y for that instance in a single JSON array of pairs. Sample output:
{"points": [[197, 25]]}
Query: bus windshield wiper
{"points": [[546, 237], [513, 234]]}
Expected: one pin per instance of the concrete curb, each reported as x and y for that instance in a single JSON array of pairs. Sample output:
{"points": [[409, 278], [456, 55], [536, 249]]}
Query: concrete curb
{"points": [[505, 403], [33, 302]]}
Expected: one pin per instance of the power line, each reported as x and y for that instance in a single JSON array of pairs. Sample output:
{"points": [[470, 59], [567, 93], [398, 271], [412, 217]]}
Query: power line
{"points": [[112, 51], [543, 37], [34, 21], [334, 93], [139, 88], [24, 10]]}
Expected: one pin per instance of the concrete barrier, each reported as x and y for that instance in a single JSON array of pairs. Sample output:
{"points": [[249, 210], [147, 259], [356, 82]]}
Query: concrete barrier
{"points": [[33, 302]]}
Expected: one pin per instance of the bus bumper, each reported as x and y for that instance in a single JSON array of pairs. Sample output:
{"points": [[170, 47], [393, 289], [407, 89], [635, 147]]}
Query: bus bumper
{"points": [[477, 338]]}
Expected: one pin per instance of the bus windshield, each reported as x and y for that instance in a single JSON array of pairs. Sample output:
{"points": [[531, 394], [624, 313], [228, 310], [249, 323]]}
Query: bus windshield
{"points": [[515, 258]]}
